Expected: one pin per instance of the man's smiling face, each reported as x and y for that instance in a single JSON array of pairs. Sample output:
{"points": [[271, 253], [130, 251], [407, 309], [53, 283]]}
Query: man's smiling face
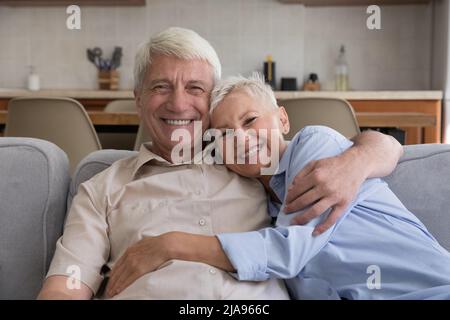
{"points": [[175, 93]]}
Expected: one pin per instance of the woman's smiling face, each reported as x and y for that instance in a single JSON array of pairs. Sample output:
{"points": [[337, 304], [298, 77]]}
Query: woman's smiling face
{"points": [[250, 117]]}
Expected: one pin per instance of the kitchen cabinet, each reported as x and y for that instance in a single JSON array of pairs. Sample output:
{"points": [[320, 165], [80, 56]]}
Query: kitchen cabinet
{"points": [[70, 2], [311, 3]]}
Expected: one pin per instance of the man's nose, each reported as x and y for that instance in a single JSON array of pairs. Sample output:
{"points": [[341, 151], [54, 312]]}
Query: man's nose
{"points": [[179, 101]]}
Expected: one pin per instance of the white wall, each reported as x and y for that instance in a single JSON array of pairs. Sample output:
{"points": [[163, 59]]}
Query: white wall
{"points": [[301, 40], [395, 57], [440, 43], [441, 59]]}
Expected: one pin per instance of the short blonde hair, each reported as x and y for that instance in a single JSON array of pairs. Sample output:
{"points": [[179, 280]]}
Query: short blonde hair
{"points": [[253, 85], [179, 42]]}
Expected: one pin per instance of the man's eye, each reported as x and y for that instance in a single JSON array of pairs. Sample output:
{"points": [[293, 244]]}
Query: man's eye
{"points": [[160, 87], [196, 90]]}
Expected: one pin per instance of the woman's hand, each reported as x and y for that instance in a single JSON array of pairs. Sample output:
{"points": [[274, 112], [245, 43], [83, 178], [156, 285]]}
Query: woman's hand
{"points": [[151, 253]]}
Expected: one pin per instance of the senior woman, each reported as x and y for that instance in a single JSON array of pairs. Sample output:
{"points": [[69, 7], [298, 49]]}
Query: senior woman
{"points": [[376, 250]]}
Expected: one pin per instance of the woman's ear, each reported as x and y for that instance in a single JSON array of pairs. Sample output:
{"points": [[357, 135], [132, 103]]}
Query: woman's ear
{"points": [[284, 120]]}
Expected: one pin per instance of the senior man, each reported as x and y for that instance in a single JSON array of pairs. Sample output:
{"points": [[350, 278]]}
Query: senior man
{"points": [[116, 213]]}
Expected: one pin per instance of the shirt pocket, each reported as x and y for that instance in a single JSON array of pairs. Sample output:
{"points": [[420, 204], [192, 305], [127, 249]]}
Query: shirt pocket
{"points": [[130, 222]]}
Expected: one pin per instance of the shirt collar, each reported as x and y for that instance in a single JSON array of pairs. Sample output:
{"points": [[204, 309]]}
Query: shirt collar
{"points": [[146, 155], [277, 182], [285, 159]]}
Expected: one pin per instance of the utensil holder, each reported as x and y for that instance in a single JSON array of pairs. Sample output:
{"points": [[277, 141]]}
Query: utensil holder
{"points": [[108, 79]]}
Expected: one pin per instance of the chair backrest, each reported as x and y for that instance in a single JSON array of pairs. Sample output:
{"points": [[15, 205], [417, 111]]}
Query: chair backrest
{"points": [[119, 140], [141, 137], [62, 121], [334, 113], [33, 191], [128, 105]]}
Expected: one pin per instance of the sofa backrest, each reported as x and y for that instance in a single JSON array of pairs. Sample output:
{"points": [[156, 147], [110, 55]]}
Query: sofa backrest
{"points": [[420, 181], [34, 181], [94, 163]]}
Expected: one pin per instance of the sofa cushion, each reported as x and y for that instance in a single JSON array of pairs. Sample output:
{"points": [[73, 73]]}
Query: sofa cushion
{"points": [[421, 181], [33, 188]]}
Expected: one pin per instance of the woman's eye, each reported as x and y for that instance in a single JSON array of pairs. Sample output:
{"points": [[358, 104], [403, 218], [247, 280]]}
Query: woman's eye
{"points": [[250, 120], [227, 133]]}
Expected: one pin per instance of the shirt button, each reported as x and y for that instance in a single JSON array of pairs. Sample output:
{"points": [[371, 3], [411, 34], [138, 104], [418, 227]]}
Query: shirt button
{"points": [[202, 222], [198, 192], [212, 271]]}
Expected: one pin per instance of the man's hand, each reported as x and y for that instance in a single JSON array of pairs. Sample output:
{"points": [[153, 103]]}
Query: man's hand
{"points": [[334, 182], [323, 184], [143, 257]]}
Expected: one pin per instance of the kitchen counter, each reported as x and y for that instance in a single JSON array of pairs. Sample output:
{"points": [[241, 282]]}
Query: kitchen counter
{"points": [[419, 113], [363, 95], [128, 94]]}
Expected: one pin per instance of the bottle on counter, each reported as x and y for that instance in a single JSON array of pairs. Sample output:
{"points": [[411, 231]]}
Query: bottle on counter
{"points": [[33, 80], [269, 71], [341, 71]]}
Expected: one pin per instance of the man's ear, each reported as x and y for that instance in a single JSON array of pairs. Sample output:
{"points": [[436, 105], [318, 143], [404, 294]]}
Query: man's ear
{"points": [[137, 98], [284, 120]]}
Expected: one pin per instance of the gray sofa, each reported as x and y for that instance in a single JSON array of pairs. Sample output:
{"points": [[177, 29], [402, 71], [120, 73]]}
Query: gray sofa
{"points": [[35, 189]]}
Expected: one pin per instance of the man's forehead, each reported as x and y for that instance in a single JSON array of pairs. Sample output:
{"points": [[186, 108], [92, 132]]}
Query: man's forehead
{"points": [[163, 66]]}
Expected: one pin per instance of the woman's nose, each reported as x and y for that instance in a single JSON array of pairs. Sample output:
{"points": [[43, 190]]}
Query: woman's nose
{"points": [[242, 137]]}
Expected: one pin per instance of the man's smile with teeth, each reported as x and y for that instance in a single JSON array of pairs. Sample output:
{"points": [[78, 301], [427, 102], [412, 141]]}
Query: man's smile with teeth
{"points": [[174, 122]]}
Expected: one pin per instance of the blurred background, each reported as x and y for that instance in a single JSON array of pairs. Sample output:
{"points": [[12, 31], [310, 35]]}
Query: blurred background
{"points": [[395, 76], [301, 40]]}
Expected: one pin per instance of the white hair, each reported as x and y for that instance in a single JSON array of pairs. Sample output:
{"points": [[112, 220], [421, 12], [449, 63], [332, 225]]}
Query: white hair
{"points": [[253, 85], [179, 42]]}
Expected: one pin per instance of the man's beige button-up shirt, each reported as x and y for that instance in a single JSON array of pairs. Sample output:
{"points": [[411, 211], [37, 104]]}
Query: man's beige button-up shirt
{"points": [[145, 195]]}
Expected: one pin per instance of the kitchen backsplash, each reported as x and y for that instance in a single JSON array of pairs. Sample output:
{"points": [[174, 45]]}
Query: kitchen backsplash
{"points": [[301, 40]]}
